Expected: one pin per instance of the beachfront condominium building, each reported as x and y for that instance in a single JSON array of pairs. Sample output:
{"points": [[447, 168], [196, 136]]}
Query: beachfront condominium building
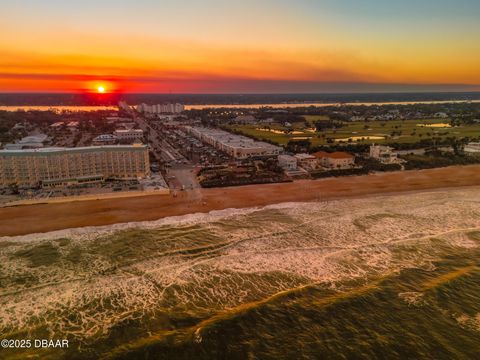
{"points": [[49, 167], [237, 146]]}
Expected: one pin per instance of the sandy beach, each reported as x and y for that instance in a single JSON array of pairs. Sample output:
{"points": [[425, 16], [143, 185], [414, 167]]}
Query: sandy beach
{"points": [[29, 219]]}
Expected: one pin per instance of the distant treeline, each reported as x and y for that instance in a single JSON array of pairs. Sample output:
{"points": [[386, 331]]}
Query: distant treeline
{"points": [[47, 99], [438, 159]]}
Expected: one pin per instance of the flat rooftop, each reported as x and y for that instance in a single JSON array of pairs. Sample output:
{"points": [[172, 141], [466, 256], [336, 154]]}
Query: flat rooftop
{"points": [[233, 140], [333, 155], [129, 131], [76, 149], [287, 157], [304, 156]]}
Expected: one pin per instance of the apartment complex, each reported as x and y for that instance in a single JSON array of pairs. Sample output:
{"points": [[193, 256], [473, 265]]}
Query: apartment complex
{"points": [[236, 146], [51, 167], [129, 135]]}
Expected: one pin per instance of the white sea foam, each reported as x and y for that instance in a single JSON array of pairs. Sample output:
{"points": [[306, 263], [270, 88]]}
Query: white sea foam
{"points": [[352, 206], [95, 231], [233, 256]]}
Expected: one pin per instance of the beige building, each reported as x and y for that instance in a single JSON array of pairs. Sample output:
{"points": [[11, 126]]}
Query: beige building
{"points": [[129, 135], [237, 146], [50, 167], [287, 162], [383, 153], [306, 161], [335, 160], [472, 148]]}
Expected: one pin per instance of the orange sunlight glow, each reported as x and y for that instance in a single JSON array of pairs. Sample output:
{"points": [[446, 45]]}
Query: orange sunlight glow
{"points": [[101, 86]]}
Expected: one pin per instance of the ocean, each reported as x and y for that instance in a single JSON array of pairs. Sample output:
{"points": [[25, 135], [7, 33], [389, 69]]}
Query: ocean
{"points": [[379, 277]]}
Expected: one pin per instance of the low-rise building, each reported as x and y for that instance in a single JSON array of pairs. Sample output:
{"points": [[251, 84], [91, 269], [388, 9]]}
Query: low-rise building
{"points": [[118, 119], [267, 121], [129, 135], [104, 139], [236, 146], [472, 148], [13, 146], [29, 142], [287, 162], [18, 126], [441, 115], [383, 153], [335, 160], [245, 119], [306, 161], [57, 125], [73, 124], [51, 167], [357, 118]]}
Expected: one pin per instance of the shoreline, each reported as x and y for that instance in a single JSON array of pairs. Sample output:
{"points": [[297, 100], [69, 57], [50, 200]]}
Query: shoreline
{"points": [[41, 218], [197, 217]]}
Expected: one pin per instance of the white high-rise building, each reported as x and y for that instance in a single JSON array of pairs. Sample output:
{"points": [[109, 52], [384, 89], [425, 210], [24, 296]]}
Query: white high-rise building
{"points": [[168, 108]]}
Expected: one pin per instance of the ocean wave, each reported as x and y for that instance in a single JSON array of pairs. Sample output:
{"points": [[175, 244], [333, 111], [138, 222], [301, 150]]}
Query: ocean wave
{"points": [[208, 262]]}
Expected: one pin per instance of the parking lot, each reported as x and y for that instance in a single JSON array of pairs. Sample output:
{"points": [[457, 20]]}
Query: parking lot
{"points": [[182, 177]]}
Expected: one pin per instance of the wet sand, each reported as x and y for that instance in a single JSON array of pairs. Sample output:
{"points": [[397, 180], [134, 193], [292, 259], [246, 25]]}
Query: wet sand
{"points": [[29, 219]]}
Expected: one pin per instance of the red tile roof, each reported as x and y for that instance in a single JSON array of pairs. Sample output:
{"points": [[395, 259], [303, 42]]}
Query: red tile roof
{"points": [[334, 155]]}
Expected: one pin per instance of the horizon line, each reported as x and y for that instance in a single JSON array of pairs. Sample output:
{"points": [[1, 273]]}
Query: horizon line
{"points": [[240, 93]]}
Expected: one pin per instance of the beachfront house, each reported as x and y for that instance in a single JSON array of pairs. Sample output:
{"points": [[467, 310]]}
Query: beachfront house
{"points": [[383, 153], [306, 161], [335, 160], [287, 162]]}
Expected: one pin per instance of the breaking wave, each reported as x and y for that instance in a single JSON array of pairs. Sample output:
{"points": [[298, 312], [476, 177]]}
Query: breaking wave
{"points": [[85, 283]]}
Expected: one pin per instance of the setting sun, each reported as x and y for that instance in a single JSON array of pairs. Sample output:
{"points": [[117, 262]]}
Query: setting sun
{"points": [[101, 89]]}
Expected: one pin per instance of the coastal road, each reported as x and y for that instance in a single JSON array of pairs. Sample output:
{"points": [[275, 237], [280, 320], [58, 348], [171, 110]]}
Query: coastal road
{"points": [[160, 147]]}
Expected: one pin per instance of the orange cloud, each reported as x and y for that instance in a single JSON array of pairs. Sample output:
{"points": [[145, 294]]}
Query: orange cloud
{"points": [[156, 65]]}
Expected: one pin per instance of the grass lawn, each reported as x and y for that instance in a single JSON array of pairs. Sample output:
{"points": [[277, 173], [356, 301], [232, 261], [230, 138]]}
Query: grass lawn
{"points": [[381, 132], [314, 118]]}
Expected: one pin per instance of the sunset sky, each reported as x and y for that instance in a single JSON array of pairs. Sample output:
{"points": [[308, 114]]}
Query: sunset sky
{"points": [[214, 46]]}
